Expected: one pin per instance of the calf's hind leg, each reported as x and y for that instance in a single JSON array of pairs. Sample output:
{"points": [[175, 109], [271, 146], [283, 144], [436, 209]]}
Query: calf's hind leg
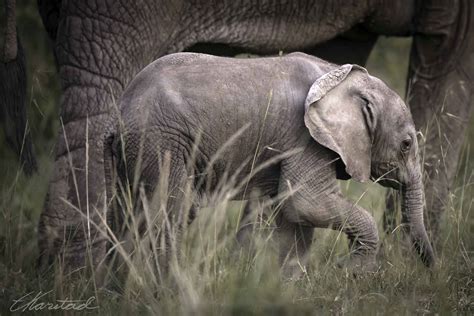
{"points": [[170, 206], [253, 216], [162, 205], [295, 242]]}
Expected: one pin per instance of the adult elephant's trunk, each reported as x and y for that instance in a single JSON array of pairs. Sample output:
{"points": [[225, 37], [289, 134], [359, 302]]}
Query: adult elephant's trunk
{"points": [[412, 212]]}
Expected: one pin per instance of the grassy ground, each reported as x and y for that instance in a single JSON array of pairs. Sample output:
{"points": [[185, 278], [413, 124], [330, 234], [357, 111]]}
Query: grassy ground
{"points": [[213, 276]]}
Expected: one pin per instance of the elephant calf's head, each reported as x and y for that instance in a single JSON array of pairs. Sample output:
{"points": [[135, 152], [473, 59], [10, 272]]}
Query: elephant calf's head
{"points": [[371, 129]]}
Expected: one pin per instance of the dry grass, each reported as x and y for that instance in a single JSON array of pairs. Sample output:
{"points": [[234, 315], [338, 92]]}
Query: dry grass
{"points": [[214, 276], [210, 274]]}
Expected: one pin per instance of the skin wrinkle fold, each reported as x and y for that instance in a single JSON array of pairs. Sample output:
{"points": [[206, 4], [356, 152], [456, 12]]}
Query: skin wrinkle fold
{"points": [[223, 33], [94, 61], [74, 128]]}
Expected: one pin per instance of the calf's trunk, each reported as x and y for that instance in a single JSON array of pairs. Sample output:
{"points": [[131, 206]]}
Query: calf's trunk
{"points": [[412, 212]]}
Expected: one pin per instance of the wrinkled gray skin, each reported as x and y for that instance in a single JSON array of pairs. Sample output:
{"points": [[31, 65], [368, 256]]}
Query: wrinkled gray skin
{"points": [[100, 46], [317, 113]]}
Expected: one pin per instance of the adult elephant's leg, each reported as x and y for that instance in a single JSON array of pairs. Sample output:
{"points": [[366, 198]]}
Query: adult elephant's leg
{"points": [[98, 52], [72, 224], [440, 94]]}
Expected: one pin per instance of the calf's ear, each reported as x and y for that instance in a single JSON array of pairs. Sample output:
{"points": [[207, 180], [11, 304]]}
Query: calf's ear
{"points": [[337, 118]]}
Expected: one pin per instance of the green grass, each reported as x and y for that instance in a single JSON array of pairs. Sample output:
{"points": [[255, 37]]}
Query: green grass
{"points": [[213, 275]]}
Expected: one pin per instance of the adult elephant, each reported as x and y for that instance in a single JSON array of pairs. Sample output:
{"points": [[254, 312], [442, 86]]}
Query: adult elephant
{"points": [[101, 45]]}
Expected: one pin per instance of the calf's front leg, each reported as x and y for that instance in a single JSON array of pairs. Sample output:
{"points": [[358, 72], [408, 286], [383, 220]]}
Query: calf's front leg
{"points": [[335, 211], [314, 200]]}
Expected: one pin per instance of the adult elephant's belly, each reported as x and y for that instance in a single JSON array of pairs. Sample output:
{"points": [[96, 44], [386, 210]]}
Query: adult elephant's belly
{"points": [[256, 29]]}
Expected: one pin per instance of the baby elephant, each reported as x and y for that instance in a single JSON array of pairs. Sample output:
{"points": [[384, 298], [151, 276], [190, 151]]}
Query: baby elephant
{"points": [[306, 121]]}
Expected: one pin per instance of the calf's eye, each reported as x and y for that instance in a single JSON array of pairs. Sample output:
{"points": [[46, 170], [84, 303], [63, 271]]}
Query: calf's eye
{"points": [[406, 145]]}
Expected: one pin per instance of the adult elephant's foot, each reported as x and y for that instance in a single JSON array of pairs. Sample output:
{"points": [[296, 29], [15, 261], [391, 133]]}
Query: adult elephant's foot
{"points": [[72, 229]]}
